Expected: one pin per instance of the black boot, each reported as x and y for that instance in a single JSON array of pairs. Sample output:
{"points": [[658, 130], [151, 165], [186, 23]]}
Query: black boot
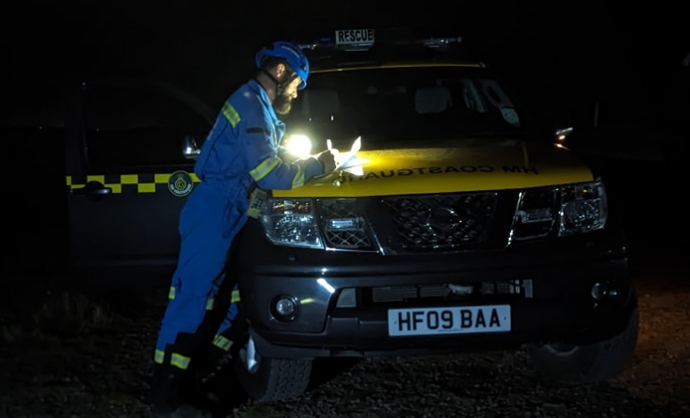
{"points": [[166, 388], [221, 350], [171, 391]]}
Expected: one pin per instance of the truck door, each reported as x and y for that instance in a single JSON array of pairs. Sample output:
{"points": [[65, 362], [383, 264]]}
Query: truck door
{"points": [[129, 169]]}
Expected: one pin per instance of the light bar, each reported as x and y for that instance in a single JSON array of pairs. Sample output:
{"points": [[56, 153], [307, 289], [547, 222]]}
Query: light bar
{"points": [[441, 42], [329, 43], [325, 41]]}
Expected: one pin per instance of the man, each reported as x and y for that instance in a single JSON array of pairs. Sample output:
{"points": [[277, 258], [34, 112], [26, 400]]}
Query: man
{"points": [[241, 152]]}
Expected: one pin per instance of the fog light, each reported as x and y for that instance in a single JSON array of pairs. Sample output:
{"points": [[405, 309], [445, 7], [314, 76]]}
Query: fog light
{"points": [[285, 308], [604, 290]]}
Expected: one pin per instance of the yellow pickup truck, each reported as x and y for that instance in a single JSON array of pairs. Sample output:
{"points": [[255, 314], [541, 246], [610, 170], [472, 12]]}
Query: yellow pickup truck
{"points": [[455, 220]]}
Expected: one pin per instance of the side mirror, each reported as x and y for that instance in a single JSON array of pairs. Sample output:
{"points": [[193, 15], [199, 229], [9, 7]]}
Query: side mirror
{"points": [[562, 134], [190, 149], [558, 124]]}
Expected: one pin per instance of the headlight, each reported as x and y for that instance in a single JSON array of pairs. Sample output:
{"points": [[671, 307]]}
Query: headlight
{"points": [[563, 210], [291, 222], [583, 208]]}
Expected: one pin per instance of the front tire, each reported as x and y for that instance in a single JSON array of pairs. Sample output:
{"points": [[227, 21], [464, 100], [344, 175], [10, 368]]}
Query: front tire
{"points": [[587, 363]]}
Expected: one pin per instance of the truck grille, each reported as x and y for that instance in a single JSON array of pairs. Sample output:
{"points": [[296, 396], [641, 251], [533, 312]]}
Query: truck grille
{"points": [[441, 222], [344, 226], [410, 224]]}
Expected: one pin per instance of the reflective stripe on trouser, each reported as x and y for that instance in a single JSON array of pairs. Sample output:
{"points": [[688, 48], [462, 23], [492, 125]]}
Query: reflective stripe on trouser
{"points": [[223, 340], [183, 316], [232, 329], [208, 225]]}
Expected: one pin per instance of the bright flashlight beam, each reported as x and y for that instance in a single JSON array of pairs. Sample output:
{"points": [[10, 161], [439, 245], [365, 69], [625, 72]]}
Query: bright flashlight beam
{"points": [[299, 145]]}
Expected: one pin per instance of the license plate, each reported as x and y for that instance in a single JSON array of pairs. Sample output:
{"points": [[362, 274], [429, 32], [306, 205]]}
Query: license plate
{"points": [[451, 320]]}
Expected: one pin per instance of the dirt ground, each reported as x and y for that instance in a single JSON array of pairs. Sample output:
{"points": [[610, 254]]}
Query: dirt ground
{"points": [[74, 355]]}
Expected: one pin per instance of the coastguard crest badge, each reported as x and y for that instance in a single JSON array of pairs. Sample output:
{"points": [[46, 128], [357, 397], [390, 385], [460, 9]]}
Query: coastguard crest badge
{"points": [[180, 183]]}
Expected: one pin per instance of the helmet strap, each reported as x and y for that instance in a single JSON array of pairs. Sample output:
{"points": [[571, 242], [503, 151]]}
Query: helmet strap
{"points": [[280, 87]]}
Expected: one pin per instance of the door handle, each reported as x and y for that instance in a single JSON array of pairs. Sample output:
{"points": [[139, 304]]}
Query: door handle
{"points": [[92, 189]]}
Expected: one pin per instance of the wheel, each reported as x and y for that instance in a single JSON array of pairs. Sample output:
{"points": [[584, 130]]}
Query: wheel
{"points": [[588, 363], [271, 379]]}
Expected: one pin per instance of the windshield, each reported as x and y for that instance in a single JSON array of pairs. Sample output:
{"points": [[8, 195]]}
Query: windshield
{"points": [[384, 104]]}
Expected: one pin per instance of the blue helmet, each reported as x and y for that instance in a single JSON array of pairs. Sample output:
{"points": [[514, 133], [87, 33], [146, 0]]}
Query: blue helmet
{"points": [[290, 53]]}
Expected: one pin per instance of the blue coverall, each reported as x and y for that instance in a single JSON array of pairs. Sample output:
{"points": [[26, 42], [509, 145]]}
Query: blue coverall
{"points": [[241, 150]]}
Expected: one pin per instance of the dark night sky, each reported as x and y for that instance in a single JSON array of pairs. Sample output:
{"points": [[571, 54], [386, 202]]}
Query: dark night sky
{"points": [[207, 45]]}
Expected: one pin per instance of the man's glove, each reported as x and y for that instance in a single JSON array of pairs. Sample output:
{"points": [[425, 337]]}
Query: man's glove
{"points": [[327, 160]]}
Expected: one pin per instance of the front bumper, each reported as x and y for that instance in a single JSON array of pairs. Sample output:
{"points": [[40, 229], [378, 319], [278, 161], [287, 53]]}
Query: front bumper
{"points": [[577, 291]]}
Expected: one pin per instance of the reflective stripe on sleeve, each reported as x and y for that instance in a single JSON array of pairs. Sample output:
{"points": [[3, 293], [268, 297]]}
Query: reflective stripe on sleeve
{"points": [[235, 296], [298, 181], [265, 167], [231, 114]]}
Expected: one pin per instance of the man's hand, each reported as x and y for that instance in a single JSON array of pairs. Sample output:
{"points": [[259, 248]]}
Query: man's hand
{"points": [[327, 159]]}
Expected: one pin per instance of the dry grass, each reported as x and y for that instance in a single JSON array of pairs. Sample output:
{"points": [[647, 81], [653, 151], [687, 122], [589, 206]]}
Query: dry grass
{"points": [[259, 410], [63, 315]]}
